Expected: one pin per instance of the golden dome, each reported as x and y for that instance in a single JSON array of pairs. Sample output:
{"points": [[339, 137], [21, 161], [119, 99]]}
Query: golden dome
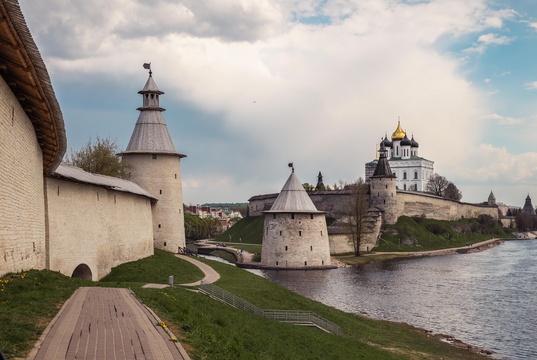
{"points": [[398, 134]]}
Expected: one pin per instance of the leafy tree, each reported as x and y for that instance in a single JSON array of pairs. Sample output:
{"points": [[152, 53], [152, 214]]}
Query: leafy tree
{"points": [[99, 157], [308, 187], [356, 212], [440, 186]]}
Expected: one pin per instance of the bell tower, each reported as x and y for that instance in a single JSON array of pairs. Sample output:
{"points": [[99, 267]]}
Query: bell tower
{"points": [[155, 165]]}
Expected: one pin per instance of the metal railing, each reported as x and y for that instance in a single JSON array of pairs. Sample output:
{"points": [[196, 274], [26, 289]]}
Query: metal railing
{"points": [[290, 316]]}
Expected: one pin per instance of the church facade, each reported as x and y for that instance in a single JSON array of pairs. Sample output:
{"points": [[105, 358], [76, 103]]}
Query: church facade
{"points": [[411, 170]]}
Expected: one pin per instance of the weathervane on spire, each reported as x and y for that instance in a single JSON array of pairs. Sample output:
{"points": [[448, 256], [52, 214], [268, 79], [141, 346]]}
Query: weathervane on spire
{"points": [[291, 166], [148, 67]]}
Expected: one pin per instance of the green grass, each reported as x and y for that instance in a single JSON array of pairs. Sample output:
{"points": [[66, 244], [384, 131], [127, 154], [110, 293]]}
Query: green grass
{"points": [[155, 269], [28, 301], [249, 230], [209, 329], [419, 234]]}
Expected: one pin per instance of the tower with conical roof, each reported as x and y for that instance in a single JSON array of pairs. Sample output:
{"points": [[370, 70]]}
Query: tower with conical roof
{"points": [[155, 165], [295, 235], [383, 189], [528, 208], [492, 199]]}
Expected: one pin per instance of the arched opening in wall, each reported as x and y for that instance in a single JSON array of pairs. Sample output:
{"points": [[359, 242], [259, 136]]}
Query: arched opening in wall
{"points": [[82, 271]]}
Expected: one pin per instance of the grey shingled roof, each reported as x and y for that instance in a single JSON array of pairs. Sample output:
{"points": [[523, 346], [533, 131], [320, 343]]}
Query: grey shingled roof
{"points": [[150, 86], [293, 198], [77, 174], [150, 134]]}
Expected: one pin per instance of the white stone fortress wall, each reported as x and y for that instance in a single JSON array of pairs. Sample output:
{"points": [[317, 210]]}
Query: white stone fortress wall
{"points": [[96, 227], [22, 213], [434, 207], [160, 175]]}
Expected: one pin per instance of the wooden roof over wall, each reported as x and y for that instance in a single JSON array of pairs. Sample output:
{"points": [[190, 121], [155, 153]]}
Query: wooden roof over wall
{"points": [[24, 71]]}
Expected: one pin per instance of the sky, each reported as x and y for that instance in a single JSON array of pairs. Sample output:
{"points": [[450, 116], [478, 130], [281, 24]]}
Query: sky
{"points": [[251, 85]]}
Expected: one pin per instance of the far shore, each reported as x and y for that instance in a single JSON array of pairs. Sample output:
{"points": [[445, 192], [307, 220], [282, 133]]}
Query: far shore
{"points": [[351, 260]]}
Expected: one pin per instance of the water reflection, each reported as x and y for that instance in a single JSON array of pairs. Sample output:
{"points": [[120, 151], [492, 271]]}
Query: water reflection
{"points": [[488, 299]]}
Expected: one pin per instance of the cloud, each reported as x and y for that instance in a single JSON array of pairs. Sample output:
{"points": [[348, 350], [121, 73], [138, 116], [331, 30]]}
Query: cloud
{"points": [[272, 89], [505, 120], [485, 40], [532, 85], [533, 25]]}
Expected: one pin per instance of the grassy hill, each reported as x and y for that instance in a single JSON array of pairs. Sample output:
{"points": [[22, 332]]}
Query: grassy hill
{"points": [[249, 230], [421, 234]]}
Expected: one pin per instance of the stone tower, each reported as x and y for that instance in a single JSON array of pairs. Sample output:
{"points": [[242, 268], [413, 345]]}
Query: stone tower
{"points": [[156, 167], [295, 235], [383, 190], [528, 207], [492, 199]]}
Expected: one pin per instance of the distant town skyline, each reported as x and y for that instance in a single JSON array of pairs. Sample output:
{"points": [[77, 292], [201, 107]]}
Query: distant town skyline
{"points": [[251, 86]]}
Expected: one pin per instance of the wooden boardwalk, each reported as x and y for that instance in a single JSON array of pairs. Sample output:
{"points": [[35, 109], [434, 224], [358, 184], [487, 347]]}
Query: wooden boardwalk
{"points": [[106, 323]]}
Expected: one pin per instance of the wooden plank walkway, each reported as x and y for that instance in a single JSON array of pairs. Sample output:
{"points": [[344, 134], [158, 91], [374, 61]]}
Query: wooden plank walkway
{"points": [[106, 323]]}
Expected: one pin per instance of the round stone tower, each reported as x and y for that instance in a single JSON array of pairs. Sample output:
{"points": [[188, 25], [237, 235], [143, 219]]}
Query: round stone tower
{"points": [[383, 189], [156, 167], [295, 235]]}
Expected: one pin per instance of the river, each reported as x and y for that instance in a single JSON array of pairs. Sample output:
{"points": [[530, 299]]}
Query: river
{"points": [[487, 299]]}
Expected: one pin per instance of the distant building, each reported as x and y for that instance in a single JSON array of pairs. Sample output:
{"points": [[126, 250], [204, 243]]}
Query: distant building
{"points": [[528, 208], [411, 170]]}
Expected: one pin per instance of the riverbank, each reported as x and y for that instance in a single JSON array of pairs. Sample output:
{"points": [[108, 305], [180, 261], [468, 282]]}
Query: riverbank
{"points": [[351, 260]]}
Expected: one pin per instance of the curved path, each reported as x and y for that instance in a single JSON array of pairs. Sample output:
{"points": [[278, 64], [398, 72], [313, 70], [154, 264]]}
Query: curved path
{"points": [[210, 274]]}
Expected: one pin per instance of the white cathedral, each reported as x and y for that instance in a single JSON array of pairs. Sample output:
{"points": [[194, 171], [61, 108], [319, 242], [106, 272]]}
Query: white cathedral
{"points": [[412, 171]]}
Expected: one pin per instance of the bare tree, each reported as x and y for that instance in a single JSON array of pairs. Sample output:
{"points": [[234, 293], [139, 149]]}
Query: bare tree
{"points": [[437, 185], [99, 157], [356, 212], [440, 186], [452, 192]]}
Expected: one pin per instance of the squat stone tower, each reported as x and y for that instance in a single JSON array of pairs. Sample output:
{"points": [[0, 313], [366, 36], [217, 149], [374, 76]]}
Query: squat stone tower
{"points": [[383, 189], [295, 235], [156, 167]]}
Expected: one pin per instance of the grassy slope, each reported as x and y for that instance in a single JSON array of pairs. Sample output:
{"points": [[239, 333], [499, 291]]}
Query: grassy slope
{"points": [[28, 301], [217, 331], [212, 330], [249, 230], [429, 234]]}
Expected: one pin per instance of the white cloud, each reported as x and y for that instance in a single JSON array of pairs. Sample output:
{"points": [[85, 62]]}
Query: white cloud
{"points": [[494, 39], [533, 25], [324, 95], [505, 120], [485, 40], [532, 85]]}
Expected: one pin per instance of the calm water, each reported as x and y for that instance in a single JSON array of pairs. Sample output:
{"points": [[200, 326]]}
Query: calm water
{"points": [[488, 299]]}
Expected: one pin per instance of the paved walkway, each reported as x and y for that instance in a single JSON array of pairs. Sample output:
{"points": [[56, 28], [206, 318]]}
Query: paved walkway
{"points": [[106, 323], [210, 274]]}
